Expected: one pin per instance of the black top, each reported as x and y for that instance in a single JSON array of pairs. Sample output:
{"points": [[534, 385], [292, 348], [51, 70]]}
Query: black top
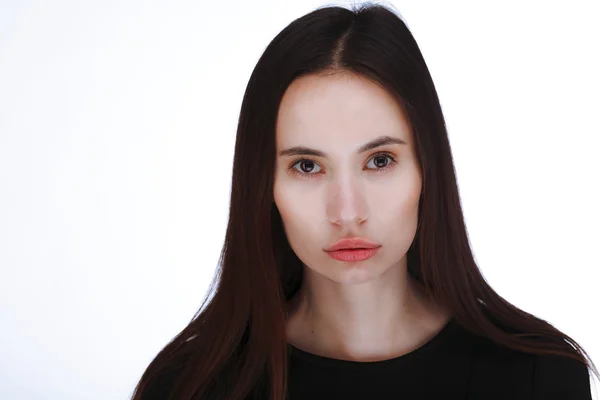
{"points": [[455, 364]]}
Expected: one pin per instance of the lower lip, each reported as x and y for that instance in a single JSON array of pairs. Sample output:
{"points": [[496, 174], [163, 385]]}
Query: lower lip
{"points": [[353, 255]]}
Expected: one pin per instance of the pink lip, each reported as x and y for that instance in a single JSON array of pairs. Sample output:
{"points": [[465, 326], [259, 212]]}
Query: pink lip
{"points": [[353, 254], [353, 243]]}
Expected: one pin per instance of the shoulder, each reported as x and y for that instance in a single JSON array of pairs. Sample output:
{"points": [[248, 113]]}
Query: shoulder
{"points": [[497, 369], [558, 376]]}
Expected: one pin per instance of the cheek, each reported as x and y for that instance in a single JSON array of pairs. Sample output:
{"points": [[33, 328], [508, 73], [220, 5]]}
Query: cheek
{"points": [[302, 223], [400, 198], [293, 210], [299, 218], [397, 213], [398, 219], [299, 231]]}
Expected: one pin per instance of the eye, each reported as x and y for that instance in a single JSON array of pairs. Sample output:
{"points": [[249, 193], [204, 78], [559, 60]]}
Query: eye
{"points": [[309, 166], [382, 161]]}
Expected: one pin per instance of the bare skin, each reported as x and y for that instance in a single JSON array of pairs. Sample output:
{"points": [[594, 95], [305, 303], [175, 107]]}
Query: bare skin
{"points": [[428, 319], [372, 309]]}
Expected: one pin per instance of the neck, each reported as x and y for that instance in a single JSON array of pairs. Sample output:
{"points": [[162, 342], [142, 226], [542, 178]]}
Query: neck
{"points": [[378, 319]]}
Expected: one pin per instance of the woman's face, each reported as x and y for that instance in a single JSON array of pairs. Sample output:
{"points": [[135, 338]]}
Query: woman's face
{"points": [[345, 191]]}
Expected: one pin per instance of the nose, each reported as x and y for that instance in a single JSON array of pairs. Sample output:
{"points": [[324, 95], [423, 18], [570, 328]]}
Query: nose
{"points": [[346, 203]]}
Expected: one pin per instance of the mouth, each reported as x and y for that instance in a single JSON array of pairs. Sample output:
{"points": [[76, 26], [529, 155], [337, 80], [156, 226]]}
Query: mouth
{"points": [[353, 255], [352, 244]]}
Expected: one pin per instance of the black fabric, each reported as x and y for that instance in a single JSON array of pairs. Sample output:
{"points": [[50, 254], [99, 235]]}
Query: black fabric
{"points": [[455, 364]]}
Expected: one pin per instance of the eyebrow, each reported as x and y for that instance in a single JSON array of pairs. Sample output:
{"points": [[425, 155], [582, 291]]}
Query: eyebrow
{"points": [[305, 151]]}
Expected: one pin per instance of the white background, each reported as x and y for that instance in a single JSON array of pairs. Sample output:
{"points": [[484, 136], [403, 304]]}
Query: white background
{"points": [[117, 129]]}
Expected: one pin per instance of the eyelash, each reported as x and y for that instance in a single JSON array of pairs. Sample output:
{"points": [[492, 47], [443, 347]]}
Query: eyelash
{"points": [[307, 175]]}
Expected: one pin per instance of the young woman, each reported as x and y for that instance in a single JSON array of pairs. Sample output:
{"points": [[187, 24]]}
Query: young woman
{"points": [[347, 271]]}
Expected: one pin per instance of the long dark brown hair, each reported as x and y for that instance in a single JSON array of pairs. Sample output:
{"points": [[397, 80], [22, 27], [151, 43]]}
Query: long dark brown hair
{"points": [[236, 342]]}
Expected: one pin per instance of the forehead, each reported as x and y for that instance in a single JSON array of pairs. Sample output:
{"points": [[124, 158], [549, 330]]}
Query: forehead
{"points": [[339, 106]]}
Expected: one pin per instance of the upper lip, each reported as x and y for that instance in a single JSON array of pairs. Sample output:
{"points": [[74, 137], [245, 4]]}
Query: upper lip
{"points": [[352, 243]]}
